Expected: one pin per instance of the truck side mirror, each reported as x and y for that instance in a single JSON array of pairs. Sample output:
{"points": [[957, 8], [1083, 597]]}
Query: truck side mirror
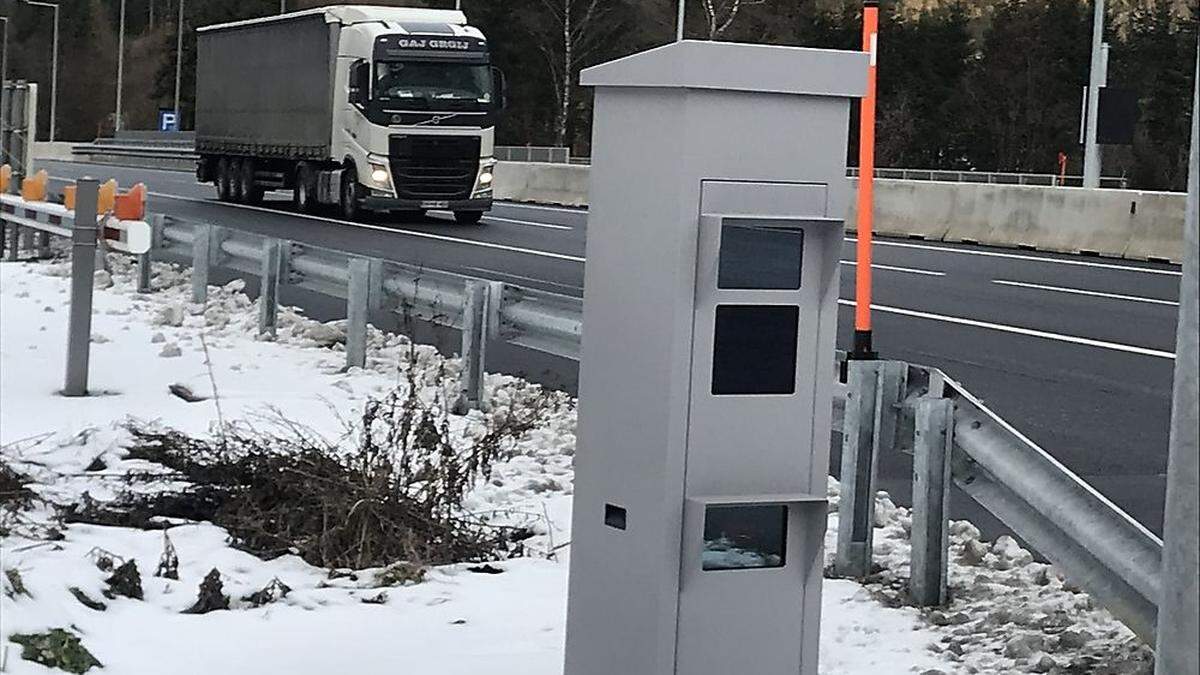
{"points": [[499, 90]]}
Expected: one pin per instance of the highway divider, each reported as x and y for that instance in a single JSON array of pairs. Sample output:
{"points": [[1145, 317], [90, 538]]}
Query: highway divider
{"points": [[1102, 222]]}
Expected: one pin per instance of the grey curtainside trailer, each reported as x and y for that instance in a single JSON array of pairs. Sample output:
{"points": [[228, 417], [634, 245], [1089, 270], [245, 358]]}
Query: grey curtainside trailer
{"points": [[387, 109], [266, 89]]}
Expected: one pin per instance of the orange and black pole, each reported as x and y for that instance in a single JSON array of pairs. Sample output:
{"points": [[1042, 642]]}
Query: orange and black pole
{"points": [[863, 348]]}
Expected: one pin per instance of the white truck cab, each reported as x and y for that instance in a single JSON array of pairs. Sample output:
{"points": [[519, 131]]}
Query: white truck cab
{"points": [[398, 113]]}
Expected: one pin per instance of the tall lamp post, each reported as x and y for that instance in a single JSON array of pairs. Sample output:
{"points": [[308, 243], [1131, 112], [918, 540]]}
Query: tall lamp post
{"points": [[53, 67], [679, 21], [178, 64], [120, 65], [3, 81]]}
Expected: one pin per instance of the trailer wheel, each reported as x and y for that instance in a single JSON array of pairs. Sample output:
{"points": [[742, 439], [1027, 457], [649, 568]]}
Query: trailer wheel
{"points": [[304, 195], [351, 194], [468, 217], [251, 193], [224, 180], [235, 180]]}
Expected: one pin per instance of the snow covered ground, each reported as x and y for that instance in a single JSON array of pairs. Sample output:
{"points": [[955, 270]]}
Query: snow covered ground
{"points": [[1009, 614]]}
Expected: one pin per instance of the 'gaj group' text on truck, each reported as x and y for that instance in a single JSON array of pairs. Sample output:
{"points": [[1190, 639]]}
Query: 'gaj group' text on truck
{"points": [[379, 108]]}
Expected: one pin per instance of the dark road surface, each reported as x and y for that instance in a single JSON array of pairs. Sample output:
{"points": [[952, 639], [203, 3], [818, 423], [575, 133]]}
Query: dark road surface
{"points": [[1075, 352]]}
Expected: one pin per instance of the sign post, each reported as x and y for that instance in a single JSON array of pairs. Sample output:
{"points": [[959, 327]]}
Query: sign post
{"points": [[718, 190]]}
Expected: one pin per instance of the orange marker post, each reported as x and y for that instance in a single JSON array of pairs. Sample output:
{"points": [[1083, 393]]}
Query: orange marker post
{"points": [[866, 190]]}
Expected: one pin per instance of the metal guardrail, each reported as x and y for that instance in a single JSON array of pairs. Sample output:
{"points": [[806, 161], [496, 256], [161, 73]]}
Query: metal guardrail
{"points": [[991, 177], [532, 153], [884, 407]]}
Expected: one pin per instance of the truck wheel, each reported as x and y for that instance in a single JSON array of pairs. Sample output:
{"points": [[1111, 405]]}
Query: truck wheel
{"points": [[224, 180], [235, 180], [304, 196], [251, 193], [468, 217], [351, 194]]}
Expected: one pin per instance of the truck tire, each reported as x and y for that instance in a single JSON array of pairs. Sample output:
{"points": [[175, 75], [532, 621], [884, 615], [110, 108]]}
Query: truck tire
{"points": [[304, 195], [350, 199], [251, 193], [224, 180], [235, 180], [468, 217]]}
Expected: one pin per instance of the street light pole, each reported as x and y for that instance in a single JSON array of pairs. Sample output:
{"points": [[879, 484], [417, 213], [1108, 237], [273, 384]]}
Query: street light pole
{"points": [[120, 65], [3, 82], [178, 62], [679, 22], [1096, 79], [53, 68]]}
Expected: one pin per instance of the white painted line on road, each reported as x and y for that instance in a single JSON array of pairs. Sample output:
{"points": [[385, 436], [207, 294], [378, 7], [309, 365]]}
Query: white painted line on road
{"points": [[542, 207], [1031, 258], [893, 268], [1017, 330], [378, 228], [548, 226], [1080, 291]]}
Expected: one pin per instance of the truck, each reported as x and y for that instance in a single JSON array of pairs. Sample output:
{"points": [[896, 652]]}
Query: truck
{"points": [[353, 107]]}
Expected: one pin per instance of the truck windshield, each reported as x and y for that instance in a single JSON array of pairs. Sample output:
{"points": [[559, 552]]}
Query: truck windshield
{"points": [[425, 82]]}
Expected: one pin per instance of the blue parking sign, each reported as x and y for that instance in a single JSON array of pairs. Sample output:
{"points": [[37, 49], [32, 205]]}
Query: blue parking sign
{"points": [[168, 120]]}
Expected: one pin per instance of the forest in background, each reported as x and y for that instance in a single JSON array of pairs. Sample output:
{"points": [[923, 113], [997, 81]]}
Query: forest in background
{"points": [[989, 85]]}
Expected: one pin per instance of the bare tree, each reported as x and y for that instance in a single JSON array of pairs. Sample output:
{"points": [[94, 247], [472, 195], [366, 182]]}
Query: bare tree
{"points": [[575, 33], [719, 15]]}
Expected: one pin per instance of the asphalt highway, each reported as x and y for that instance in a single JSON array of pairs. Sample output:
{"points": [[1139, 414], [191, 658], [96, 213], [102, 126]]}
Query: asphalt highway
{"points": [[1075, 352]]}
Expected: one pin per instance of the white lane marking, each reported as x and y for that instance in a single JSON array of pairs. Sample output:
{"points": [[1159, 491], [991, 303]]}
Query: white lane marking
{"points": [[561, 209], [1080, 291], [893, 268], [1031, 258], [1017, 330], [390, 230], [519, 277], [548, 226]]}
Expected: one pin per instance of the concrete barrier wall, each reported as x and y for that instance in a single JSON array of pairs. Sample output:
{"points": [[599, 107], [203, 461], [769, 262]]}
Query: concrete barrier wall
{"points": [[1117, 223], [565, 184], [57, 150]]}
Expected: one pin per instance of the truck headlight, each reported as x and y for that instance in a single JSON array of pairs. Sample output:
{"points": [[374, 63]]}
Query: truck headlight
{"points": [[379, 175], [485, 178]]}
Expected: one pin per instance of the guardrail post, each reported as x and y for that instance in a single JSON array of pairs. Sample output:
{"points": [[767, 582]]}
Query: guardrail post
{"points": [[14, 242], [83, 272], [375, 295], [933, 440], [43, 244], [268, 290], [875, 389], [145, 261], [474, 346], [201, 236], [356, 313]]}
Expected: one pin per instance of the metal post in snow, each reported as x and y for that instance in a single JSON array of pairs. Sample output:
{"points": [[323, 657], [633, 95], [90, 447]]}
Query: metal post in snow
{"points": [[375, 286], [1178, 611], [14, 242], [42, 244], [474, 346], [83, 261], [201, 236], [145, 260], [356, 313], [268, 289], [875, 390], [932, 443]]}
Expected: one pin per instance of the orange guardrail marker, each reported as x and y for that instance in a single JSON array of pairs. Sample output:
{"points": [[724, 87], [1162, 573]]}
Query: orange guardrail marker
{"points": [[5, 177], [106, 199], [34, 189], [69, 197], [132, 204]]}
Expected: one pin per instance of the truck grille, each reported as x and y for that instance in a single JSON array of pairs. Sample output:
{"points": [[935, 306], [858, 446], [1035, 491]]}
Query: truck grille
{"points": [[434, 167]]}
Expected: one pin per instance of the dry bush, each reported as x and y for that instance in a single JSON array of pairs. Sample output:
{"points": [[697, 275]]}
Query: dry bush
{"points": [[394, 495]]}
